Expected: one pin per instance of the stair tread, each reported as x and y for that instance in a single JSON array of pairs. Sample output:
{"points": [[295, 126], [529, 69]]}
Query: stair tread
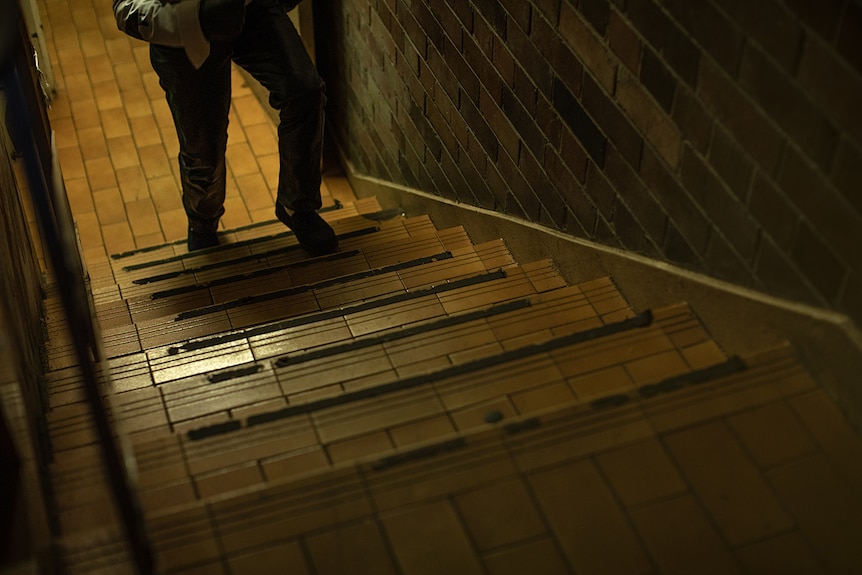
{"points": [[450, 466]]}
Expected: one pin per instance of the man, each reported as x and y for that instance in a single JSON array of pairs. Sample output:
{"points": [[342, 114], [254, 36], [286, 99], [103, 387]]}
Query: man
{"points": [[192, 44]]}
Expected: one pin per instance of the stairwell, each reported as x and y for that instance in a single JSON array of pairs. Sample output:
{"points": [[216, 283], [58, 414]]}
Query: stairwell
{"points": [[419, 403], [428, 400]]}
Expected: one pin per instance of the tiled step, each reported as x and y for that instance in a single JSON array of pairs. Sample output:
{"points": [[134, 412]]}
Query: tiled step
{"points": [[168, 298], [269, 303], [504, 493], [282, 408], [240, 255], [144, 381], [265, 442], [255, 233]]}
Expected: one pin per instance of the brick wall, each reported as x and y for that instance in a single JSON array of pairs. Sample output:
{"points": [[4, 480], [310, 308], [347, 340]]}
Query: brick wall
{"points": [[724, 136]]}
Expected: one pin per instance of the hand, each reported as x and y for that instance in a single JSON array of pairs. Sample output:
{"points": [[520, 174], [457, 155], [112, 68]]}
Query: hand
{"points": [[222, 19], [289, 4]]}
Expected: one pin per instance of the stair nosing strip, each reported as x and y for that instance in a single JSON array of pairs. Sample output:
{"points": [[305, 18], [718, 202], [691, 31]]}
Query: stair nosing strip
{"points": [[243, 243], [362, 343], [198, 312], [240, 277], [642, 319], [339, 312], [337, 205]]}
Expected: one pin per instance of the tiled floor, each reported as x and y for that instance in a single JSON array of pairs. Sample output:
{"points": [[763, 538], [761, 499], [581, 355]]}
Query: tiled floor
{"points": [[414, 404], [117, 143]]}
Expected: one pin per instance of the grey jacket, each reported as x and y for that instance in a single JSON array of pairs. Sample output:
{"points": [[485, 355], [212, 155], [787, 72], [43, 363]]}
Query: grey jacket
{"points": [[166, 22]]}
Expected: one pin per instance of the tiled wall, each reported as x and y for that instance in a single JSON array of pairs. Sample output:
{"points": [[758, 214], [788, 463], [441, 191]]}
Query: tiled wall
{"points": [[725, 135]]}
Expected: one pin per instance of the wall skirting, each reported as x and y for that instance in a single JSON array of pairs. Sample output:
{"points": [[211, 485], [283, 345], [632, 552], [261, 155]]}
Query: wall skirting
{"points": [[740, 319]]}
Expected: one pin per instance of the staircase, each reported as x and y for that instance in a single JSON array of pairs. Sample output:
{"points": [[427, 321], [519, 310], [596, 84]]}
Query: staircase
{"points": [[417, 403]]}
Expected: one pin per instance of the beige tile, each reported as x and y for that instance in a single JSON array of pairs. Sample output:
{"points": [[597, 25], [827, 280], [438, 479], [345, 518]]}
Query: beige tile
{"points": [[256, 519], [356, 548], [681, 539], [841, 444], [107, 95], [167, 495], [356, 448], [541, 398], [615, 350], [732, 490], [540, 556], [89, 230], [295, 463], [493, 383], [145, 131], [184, 539], [587, 522], [249, 110], [78, 87], [703, 354], [262, 138], [143, 219], [118, 237], [64, 132], [78, 192], [71, 162], [656, 367], [375, 414], [421, 431], [786, 554], [100, 174], [114, 123], [641, 473], [772, 434], [165, 193], [604, 382], [500, 514], [256, 193], [109, 205], [133, 184], [411, 529], [277, 558], [484, 414], [827, 510], [93, 145], [227, 480], [154, 161]]}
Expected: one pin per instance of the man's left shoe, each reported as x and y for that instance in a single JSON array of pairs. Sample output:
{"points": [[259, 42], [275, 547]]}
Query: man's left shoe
{"points": [[312, 231], [202, 240]]}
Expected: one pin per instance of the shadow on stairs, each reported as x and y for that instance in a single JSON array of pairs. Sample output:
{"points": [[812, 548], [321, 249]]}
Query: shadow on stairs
{"points": [[416, 403]]}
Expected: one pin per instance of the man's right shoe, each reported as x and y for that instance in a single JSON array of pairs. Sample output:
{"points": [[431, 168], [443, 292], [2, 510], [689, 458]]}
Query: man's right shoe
{"points": [[312, 231], [201, 240]]}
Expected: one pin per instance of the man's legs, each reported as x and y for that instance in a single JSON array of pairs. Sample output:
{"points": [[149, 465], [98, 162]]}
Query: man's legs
{"points": [[271, 50], [199, 101]]}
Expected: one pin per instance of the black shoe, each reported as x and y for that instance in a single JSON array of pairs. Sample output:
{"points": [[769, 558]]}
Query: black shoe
{"points": [[201, 240], [312, 231]]}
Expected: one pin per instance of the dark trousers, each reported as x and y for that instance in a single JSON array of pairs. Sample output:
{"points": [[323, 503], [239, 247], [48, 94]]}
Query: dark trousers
{"points": [[270, 49]]}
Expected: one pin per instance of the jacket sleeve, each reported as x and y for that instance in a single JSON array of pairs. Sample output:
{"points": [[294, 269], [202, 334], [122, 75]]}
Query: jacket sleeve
{"points": [[166, 22]]}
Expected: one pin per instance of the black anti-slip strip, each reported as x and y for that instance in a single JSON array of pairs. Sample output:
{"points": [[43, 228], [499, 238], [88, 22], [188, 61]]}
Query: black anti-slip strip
{"points": [[340, 312], [445, 322], [213, 430], [340, 280], [640, 320], [734, 364], [248, 242], [234, 373], [337, 205], [243, 259], [419, 454], [247, 276]]}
